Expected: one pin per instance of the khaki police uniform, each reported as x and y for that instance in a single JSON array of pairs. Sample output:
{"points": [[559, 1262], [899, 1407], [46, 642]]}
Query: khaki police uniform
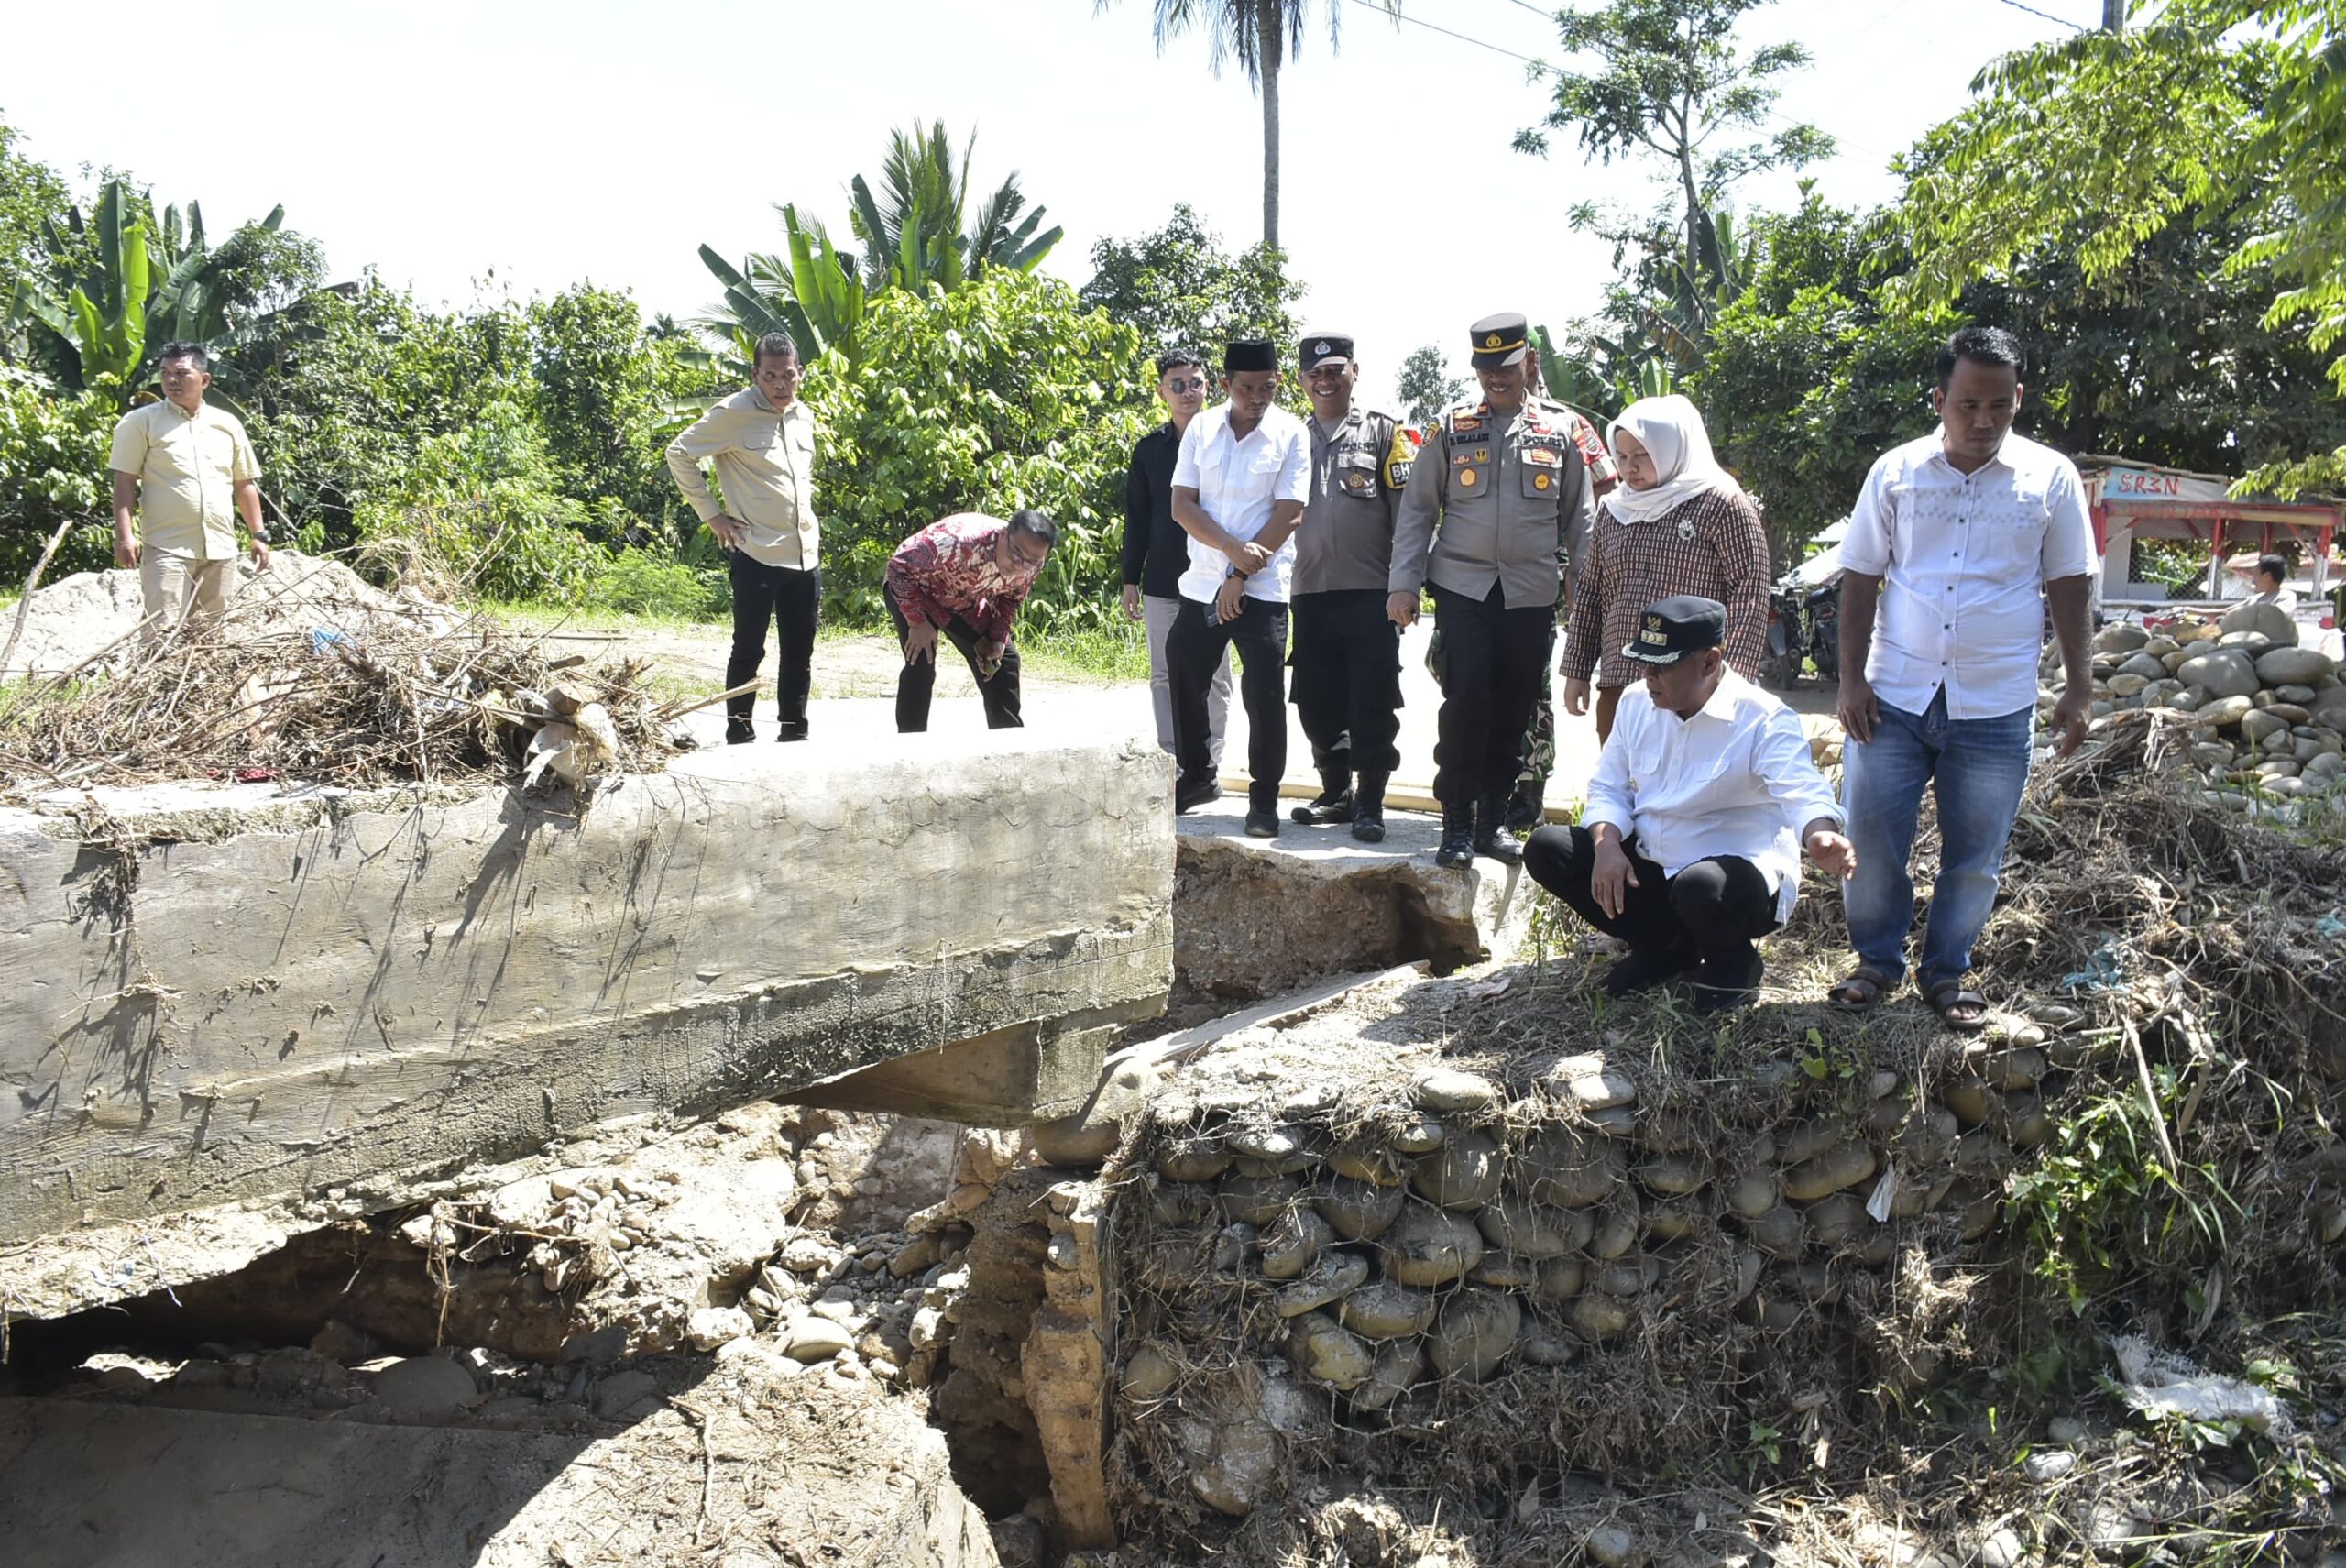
{"points": [[1347, 657], [1495, 506]]}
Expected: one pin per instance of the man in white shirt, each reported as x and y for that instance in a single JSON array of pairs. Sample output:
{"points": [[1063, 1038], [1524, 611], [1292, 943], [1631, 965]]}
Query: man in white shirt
{"points": [[1239, 486], [1960, 540], [1701, 801]]}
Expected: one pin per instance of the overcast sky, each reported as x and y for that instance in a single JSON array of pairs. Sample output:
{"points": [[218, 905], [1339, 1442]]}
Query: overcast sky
{"points": [[520, 146]]}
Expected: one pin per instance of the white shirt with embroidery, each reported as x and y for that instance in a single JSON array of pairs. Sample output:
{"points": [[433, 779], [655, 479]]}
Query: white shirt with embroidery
{"points": [[1238, 480], [1964, 559], [1736, 779]]}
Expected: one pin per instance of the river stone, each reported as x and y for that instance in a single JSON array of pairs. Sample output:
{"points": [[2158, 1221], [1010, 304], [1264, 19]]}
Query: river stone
{"points": [[1430, 1247], [2302, 697], [1328, 1354], [2120, 637], [1294, 1243], [1149, 1373], [1674, 1176], [1383, 1310], [2127, 687], [1563, 1168], [1257, 1200], [1778, 1231], [1501, 1271], [2219, 674], [1596, 1316], [1751, 1194], [2293, 666], [2254, 643], [2255, 728], [2224, 712], [1357, 1210], [2277, 626], [1333, 1276], [1269, 1146], [1084, 1139], [1534, 1230], [1805, 1140], [1584, 1081], [1472, 1333], [1536, 1346], [1400, 1365], [1629, 1276], [1560, 1278], [1373, 1165], [2329, 709], [2191, 699], [2145, 664], [1231, 1245], [1462, 1174], [1445, 1088], [814, 1339], [1422, 1136], [2176, 661], [1192, 1159], [2295, 714], [1830, 1221], [2323, 768]]}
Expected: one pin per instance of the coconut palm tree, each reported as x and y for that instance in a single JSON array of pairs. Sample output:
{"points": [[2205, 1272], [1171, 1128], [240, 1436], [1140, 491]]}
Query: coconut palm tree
{"points": [[1259, 35]]}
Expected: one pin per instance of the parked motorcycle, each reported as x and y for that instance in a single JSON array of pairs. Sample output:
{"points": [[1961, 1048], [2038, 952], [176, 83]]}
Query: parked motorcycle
{"points": [[1803, 628]]}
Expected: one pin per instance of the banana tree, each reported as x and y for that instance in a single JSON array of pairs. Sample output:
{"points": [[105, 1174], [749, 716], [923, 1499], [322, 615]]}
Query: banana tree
{"points": [[912, 230], [813, 294]]}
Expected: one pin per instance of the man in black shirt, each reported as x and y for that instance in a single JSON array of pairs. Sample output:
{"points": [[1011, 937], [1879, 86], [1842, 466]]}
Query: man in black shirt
{"points": [[1157, 551]]}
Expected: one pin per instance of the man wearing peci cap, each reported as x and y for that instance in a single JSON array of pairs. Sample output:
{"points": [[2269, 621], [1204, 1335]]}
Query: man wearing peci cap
{"points": [[1701, 801], [1347, 661], [1497, 500], [1239, 484]]}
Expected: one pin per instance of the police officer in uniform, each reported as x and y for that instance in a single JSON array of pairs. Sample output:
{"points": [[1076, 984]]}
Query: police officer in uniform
{"points": [[1497, 500], [1347, 657]]}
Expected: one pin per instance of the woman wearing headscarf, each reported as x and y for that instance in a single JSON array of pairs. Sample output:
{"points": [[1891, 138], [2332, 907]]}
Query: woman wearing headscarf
{"points": [[1677, 523]]}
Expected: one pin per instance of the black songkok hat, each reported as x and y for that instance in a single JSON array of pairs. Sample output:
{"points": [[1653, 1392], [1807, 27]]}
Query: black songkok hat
{"points": [[1672, 628], [1249, 354]]}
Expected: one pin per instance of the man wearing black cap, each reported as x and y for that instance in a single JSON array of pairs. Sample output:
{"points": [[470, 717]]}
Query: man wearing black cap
{"points": [[1704, 798], [1239, 484], [1497, 500], [1347, 661]]}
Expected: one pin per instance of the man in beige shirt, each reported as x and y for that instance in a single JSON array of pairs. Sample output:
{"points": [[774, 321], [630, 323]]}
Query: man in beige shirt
{"points": [[761, 444], [186, 471]]}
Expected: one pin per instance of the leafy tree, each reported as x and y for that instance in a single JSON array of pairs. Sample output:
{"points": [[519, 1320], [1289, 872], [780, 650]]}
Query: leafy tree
{"points": [[1668, 83], [1426, 385], [2111, 138], [1002, 394], [32, 197], [604, 385], [1259, 35], [915, 235], [53, 452], [1179, 288]]}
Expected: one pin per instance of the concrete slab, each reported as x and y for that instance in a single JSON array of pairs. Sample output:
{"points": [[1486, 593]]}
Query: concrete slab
{"points": [[213, 995]]}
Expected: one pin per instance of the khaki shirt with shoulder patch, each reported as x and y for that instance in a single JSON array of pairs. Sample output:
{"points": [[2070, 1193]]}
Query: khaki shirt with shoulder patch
{"points": [[764, 460], [1346, 539], [1495, 498], [188, 466]]}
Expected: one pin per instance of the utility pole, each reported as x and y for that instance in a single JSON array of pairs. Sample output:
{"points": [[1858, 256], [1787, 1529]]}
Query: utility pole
{"points": [[2114, 15]]}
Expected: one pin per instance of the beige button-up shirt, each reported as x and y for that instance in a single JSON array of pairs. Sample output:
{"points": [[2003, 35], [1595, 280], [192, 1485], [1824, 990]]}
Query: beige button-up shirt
{"points": [[765, 464], [188, 466], [1495, 498]]}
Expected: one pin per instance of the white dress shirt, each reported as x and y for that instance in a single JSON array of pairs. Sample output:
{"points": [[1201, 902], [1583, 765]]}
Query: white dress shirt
{"points": [[1964, 559], [1238, 480], [1736, 779]]}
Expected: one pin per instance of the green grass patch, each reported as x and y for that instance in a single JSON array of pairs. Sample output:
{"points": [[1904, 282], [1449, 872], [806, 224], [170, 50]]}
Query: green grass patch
{"points": [[1118, 652]]}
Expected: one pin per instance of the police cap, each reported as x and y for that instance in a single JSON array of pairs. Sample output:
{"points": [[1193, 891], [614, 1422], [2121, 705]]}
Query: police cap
{"points": [[1501, 340], [1670, 628], [1322, 346]]}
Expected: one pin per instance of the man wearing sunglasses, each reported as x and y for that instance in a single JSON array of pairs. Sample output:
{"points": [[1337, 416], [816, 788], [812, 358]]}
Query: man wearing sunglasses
{"points": [[964, 576], [1156, 551]]}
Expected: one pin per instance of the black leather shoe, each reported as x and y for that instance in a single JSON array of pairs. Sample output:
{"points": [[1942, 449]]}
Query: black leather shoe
{"points": [[1188, 798], [1368, 809], [1334, 803], [1491, 836], [792, 729], [740, 733], [1721, 988], [1645, 968], [1457, 837], [1262, 822]]}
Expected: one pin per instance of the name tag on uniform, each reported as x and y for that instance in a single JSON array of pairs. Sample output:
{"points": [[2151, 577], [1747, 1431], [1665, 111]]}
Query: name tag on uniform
{"points": [[1545, 457], [1464, 424]]}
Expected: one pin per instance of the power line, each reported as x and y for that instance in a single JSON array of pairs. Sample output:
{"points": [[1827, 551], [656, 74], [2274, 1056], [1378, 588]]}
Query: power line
{"points": [[2048, 16]]}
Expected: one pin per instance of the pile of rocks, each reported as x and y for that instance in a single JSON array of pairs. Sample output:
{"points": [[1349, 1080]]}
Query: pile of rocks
{"points": [[2269, 715], [884, 1305], [1463, 1236]]}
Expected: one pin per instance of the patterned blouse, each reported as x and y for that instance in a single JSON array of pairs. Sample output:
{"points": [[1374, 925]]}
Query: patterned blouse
{"points": [[1712, 546]]}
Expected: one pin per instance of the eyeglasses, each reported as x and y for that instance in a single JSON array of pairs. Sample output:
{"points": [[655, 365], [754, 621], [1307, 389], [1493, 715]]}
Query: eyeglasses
{"points": [[1186, 385]]}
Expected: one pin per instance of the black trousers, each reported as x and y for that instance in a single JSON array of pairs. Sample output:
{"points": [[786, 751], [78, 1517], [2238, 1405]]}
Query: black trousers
{"points": [[1491, 659], [1347, 685], [1192, 651], [917, 680], [790, 601], [1715, 909]]}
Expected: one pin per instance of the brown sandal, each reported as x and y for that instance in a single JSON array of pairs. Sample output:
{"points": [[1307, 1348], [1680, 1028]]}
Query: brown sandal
{"points": [[1863, 990]]}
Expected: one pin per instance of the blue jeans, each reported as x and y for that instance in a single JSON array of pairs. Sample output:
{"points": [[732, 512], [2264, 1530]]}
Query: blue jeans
{"points": [[1978, 768]]}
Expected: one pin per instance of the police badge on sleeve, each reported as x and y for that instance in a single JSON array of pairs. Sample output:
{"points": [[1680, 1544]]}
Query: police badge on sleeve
{"points": [[1401, 457]]}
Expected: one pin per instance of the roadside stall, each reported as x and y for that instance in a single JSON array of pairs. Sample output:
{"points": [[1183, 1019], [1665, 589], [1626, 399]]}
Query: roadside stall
{"points": [[2164, 534]]}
